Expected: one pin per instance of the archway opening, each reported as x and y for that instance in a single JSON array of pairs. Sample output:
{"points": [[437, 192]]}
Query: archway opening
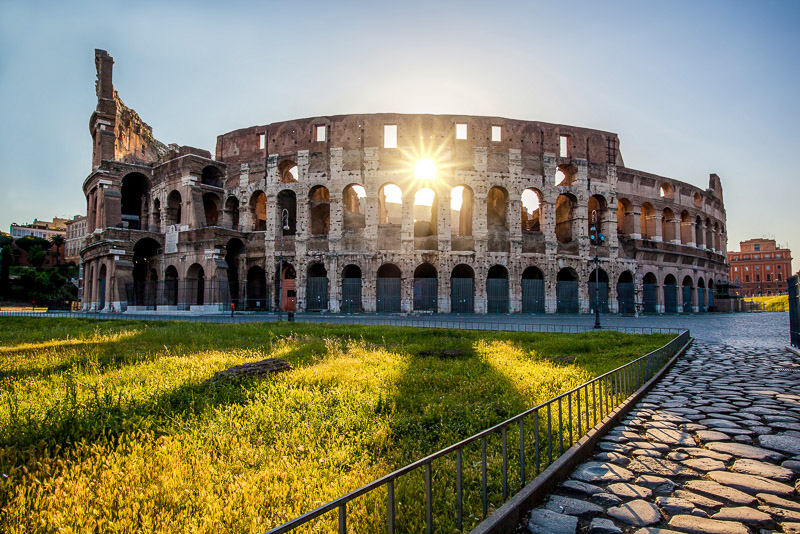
{"points": [[462, 289], [257, 290], [316, 288], [134, 201], [319, 204], [287, 171], [171, 286], [351, 289], [211, 176], [497, 290], [565, 218], [426, 288], [668, 225], [195, 285], [353, 201], [174, 205], [598, 291], [287, 203], [567, 291], [210, 209], [688, 294], [388, 289], [461, 207], [648, 221], [649, 293], [626, 295], [231, 213], [425, 208], [234, 251], [670, 294], [533, 296], [390, 204], [258, 211]]}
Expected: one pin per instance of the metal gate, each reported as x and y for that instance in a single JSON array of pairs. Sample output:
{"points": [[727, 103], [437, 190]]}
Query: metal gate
{"points": [[316, 293], [687, 299], [497, 295], [102, 284], [794, 311], [388, 299], [649, 301], [603, 297], [567, 297], [257, 296], [711, 299], [670, 299], [532, 296], [626, 299], [462, 295], [426, 293], [701, 300], [351, 295]]}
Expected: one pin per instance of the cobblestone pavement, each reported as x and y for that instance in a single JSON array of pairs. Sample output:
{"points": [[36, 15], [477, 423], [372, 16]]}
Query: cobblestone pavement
{"points": [[714, 448]]}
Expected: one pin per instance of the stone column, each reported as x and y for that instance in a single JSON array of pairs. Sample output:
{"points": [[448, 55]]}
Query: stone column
{"points": [[657, 220]]}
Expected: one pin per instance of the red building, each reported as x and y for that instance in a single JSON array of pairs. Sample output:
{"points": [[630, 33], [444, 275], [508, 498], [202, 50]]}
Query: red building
{"points": [[761, 267]]}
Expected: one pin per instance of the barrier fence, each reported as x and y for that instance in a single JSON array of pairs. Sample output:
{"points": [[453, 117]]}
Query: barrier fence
{"points": [[460, 483], [794, 311]]}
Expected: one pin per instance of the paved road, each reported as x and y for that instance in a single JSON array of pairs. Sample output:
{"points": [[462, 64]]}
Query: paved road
{"points": [[713, 448]]}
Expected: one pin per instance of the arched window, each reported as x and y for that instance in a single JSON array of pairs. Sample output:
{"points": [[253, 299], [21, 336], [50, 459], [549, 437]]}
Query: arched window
{"points": [[287, 202], [461, 205], [354, 214], [390, 204], [496, 208], [531, 211], [425, 208], [134, 201], [231, 213], [686, 228], [624, 217], [287, 171], [597, 204], [648, 221], [258, 209], [174, 205], [668, 225], [565, 217], [211, 176], [319, 204], [210, 209]]}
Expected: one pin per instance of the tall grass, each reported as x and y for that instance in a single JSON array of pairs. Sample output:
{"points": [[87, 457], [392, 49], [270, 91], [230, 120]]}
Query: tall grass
{"points": [[110, 427]]}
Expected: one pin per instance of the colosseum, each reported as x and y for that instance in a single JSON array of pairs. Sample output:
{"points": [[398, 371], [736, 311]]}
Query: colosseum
{"points": [[390, 213]]}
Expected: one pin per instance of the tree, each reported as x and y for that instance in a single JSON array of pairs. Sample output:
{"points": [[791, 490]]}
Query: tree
{"points": [[57, 241], [6, 259], [25, 243], [36, 256]]}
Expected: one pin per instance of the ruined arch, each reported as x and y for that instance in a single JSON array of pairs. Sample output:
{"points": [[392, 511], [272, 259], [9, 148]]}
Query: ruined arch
{"points": [[234, 259], [390, 204], [497, 208], [135, 193], [211, 209], [287, 172], [566, 207], [709, 234], [231, 212], [666, 191], [566, 175], [287, 200], [425, 221], [667, 225], [319, 207], [174, 208], [353, 207], [531, 210], [258, 210], [625, 217], [688, 294], [461, 207]]}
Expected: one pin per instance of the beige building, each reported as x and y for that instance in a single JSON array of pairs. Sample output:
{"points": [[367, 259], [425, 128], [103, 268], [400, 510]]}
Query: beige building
{"points": [[75, 238], [390, 213]]}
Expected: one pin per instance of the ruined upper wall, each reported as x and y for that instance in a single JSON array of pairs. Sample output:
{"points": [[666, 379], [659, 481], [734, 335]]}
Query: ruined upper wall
{"points": [[421, 134]]}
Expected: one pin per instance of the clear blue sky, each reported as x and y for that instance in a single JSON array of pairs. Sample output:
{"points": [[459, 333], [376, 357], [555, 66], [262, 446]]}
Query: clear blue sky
{"points": [[691, 87]]}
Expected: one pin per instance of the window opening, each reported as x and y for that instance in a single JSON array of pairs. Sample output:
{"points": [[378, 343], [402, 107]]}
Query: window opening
{"points": [[320, 134], [497, 134], [563, 146], [461, 131], [389, 136]]}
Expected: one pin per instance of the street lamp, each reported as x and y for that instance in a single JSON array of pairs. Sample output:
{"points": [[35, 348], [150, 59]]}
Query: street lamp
{"points": [[284, 227], [596, 238]]}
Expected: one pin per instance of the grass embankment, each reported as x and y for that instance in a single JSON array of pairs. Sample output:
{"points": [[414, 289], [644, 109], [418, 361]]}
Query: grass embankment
{"points": [[109, 427], [777, 303]]}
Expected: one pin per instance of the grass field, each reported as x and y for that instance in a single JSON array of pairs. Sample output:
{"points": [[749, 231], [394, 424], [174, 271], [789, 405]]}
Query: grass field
{"points": [[776, 303], [109, 427]]}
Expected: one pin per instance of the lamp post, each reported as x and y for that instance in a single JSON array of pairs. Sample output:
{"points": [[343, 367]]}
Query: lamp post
{"points": [[284, 226], [596, 237]]}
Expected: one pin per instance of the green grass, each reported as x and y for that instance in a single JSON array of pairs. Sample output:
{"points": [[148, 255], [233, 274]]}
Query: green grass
{"points": [[109, 427], [776, 303]]}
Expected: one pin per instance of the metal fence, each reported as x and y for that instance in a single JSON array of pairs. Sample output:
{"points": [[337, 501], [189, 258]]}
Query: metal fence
{"points": [[509, 451], [794, 311]]}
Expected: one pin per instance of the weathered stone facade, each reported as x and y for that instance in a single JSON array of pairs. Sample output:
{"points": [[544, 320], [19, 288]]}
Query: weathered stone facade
{"points": [[332, 197]]}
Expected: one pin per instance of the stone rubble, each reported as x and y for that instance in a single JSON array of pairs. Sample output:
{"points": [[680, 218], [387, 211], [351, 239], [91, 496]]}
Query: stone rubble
{"points": [[713, 448]]}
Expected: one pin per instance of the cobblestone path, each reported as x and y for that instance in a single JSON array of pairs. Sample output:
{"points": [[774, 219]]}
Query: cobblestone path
{"points": [[714, 448]]}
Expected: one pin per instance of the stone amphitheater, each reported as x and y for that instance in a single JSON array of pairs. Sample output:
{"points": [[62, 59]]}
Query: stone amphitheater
{"points": [[390, 213]]}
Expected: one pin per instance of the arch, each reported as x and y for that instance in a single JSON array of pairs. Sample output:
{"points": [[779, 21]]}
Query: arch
{"points": [[425, 209], [709, 234], [426, 288], [598, 291], [319, 207], [287, 200], [134, 194], [531, 202], [101, 283], [649, 293], [711, 295], [497, 290], [195, 284], [497, 208], [668, 225], [171, 286], [390, 204], [598, 204], [697, 199], [212, 176], [648, 221], [87, 290], [625, 216], [231, 213], [287, 295], [351, 289], [257, 291], [670, 294], [174, 208], [234, 250], [717, 238], [567, 291], [388, 289], [462, 289], [462, 201], [156, 224], [565, 217], [211, 209], [287, 171], [688, 294], [145, 257], [258, 210], [626, 295], [353, 212], [533, 296], [565, 175], [316, 287], [698, 232], [686, 228], [666, 191]]}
